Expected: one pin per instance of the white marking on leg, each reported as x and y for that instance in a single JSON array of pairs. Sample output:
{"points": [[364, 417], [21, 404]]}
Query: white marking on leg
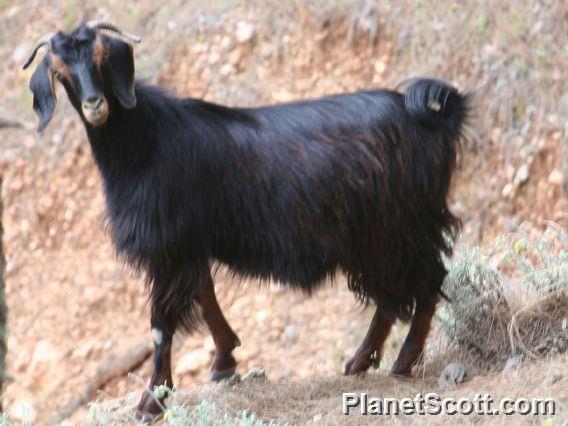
{"points": [[157, 336]]}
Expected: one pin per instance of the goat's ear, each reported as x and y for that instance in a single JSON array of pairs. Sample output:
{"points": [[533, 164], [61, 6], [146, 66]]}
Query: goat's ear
{"points": [[41, 85], [122, 71]]}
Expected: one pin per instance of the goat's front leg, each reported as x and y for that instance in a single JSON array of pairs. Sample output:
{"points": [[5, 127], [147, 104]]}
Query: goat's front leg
{"points": [[224, 337], [149, 405], [173, 296]]}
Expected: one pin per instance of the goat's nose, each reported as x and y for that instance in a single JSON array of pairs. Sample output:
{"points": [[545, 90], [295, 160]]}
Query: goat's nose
{"points": [[94, 102]]}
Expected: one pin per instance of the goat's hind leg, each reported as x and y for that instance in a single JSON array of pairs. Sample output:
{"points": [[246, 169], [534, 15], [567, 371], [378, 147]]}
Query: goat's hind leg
{"points": [[372, 344], [413, 346], [224, 337]]}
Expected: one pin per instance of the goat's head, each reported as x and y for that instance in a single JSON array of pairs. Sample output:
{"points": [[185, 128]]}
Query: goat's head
{"points": [[94, 69]]}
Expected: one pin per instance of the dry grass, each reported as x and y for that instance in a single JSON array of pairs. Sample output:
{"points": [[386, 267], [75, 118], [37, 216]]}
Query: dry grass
{"points": [[318, 399]]}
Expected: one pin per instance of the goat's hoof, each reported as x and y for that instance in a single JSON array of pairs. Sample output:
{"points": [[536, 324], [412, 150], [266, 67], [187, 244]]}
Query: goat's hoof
{"points": [[145, 417], [401, 371], [148, 409], [357, 365], [218, 375], [223, 367]]}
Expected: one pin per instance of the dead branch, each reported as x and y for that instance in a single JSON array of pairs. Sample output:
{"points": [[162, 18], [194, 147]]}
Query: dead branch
{"points": [[114, 366], [6, 122]]}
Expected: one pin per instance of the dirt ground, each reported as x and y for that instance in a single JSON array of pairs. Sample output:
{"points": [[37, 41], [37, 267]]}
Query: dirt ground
{"points": [[72, 304]]}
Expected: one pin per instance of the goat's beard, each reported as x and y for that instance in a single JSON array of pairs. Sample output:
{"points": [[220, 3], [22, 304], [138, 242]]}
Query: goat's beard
{"points": [[96, 118]]}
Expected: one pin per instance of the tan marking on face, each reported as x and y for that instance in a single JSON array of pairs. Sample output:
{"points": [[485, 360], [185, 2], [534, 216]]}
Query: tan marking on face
{"points": [[99, 52], [61, 68], [52, 81]]}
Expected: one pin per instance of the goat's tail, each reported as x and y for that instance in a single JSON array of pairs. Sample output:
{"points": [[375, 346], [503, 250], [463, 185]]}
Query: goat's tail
{"points": [[438, 106]]}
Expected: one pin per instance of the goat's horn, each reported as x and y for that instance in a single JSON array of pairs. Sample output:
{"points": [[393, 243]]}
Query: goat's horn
{"points": [[45, 40], [97, 25]]}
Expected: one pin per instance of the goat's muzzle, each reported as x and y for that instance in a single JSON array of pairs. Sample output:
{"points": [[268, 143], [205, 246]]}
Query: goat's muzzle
{"points": [[95, 110]]}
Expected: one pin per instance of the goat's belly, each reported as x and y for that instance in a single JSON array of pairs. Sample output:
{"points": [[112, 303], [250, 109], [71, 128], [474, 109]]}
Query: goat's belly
{"points": [[302, 270]]}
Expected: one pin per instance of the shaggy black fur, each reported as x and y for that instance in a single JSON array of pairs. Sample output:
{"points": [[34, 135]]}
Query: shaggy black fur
{"points": [[293, 192], [356, 183]]}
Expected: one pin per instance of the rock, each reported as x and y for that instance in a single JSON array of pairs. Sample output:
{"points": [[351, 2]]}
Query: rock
{"points": [[452, 375], [290, 330], [226, 70], [255, 374], [44, 357], [23, 411], [508, 190], [20, 53], [226, 42], [556, 177], [193, 362], [552, 378], [233, 380], [244, 32], [84, 350], [522, 175], [317, 417], [235, 56], [214, 57], [513, 363]]}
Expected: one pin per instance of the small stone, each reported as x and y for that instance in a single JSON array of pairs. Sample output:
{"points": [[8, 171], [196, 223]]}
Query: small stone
{"points": [[244, 32], [20, 52], [522, 175], [552, 378], [556, 177], [513, 363], [214, 57], [226, 42], [232, 380], [508, 190], [234, 57], [380, 66], [226, 70], [452, 375], [255, 374], [84, 350], [23, 411], [317, 417], [290, 330]]}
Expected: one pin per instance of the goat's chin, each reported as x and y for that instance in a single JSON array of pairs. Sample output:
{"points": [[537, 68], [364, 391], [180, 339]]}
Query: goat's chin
{"points": [[97, 118]]}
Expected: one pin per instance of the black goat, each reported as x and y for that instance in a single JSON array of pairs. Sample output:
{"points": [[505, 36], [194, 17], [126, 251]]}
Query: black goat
{"points": [[355, 183]]}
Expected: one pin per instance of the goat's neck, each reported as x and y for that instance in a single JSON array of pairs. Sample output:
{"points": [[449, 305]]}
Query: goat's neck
{"points": [[126, 143]]}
